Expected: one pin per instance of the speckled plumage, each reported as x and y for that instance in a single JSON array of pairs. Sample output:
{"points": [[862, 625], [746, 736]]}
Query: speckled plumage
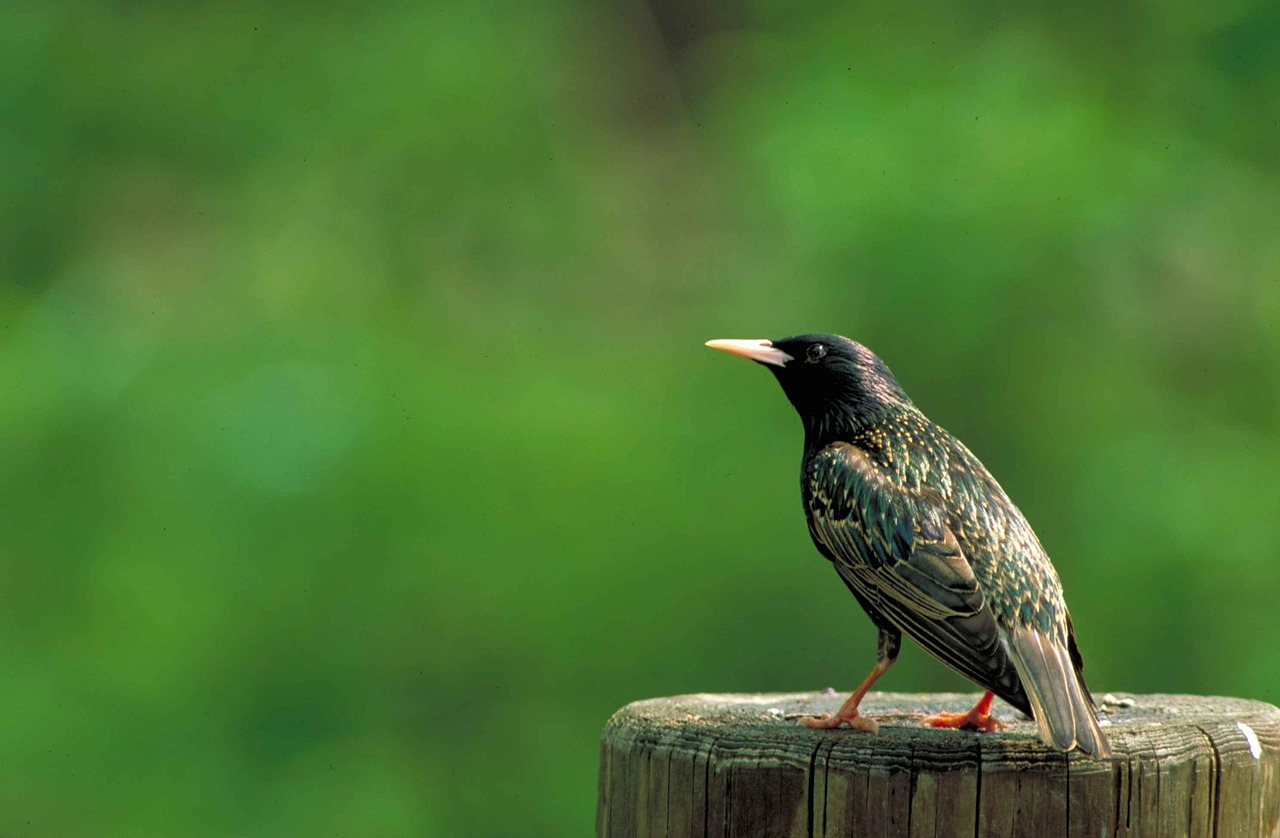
{"points": [[927, 541], [934, 470]]}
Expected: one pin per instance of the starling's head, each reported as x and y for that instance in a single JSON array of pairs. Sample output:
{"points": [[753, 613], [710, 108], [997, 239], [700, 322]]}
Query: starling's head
{"points": [[835, 384]]}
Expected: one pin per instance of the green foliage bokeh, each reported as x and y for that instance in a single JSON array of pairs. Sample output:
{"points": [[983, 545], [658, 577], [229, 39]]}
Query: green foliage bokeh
{"points": [[361, 455]]}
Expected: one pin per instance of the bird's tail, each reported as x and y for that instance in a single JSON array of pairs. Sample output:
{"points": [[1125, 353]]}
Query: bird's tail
{"points": [[1061, 704]]}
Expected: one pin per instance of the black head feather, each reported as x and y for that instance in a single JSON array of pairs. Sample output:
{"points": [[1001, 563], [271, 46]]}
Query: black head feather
{"points": [[836, 385]]}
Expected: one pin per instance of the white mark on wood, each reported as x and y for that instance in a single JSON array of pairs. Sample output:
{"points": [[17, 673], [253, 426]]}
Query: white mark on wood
{"points": [[1255, 747]]}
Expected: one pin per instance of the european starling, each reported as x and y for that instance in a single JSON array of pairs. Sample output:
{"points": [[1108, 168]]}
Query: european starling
{"points": [[927, 542]]}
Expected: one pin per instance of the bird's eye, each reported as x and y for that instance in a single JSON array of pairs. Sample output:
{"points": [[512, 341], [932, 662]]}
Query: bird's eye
{"points": [[815, 353]]}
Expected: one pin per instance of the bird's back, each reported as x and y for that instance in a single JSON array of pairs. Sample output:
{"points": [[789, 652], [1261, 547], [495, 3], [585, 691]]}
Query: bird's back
{"points": [[1017, 579], [1035, 664]]}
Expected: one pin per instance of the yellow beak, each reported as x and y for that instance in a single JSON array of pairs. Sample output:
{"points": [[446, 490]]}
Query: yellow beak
{"points": [[761, 351]]}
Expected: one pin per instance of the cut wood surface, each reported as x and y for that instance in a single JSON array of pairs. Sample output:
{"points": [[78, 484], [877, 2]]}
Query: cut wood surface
{"points": [[743, 765]]}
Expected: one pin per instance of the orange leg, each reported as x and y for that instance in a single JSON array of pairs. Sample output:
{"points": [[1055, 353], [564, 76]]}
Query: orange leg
{"points": [[848, 711], [979, 717]]}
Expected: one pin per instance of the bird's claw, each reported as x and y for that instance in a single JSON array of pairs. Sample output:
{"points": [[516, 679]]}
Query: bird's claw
{"points": [[829, 722], [984, 722]]}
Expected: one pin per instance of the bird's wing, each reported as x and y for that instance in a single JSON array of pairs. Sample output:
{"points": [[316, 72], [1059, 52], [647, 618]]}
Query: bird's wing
{"points": [[895, 548]]}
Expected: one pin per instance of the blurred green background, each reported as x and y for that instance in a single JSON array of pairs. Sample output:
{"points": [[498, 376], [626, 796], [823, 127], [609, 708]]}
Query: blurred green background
{"points": [[360, 451]]}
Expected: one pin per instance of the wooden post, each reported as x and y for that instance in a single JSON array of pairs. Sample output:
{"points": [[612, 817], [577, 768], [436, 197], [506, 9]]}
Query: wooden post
{"points": [[742, 765]]}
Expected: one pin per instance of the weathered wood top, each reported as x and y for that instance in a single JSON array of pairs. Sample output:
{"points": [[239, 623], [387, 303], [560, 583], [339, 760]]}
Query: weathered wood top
{"points": [[743, 765]]}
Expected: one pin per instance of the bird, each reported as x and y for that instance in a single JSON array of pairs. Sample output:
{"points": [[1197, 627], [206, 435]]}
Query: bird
{"points": [[928, 543]]}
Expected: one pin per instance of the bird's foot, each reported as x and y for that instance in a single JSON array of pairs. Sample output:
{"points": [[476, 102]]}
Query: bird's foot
{"points": [[970, 720], [829, 722]]}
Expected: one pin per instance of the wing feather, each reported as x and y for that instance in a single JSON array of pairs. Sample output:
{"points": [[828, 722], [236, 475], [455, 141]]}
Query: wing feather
{"points": [[896, 549]]}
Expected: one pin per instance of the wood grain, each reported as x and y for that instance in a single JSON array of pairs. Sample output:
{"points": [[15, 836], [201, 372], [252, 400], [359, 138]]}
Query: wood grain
{"points": [[742, 765]]}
